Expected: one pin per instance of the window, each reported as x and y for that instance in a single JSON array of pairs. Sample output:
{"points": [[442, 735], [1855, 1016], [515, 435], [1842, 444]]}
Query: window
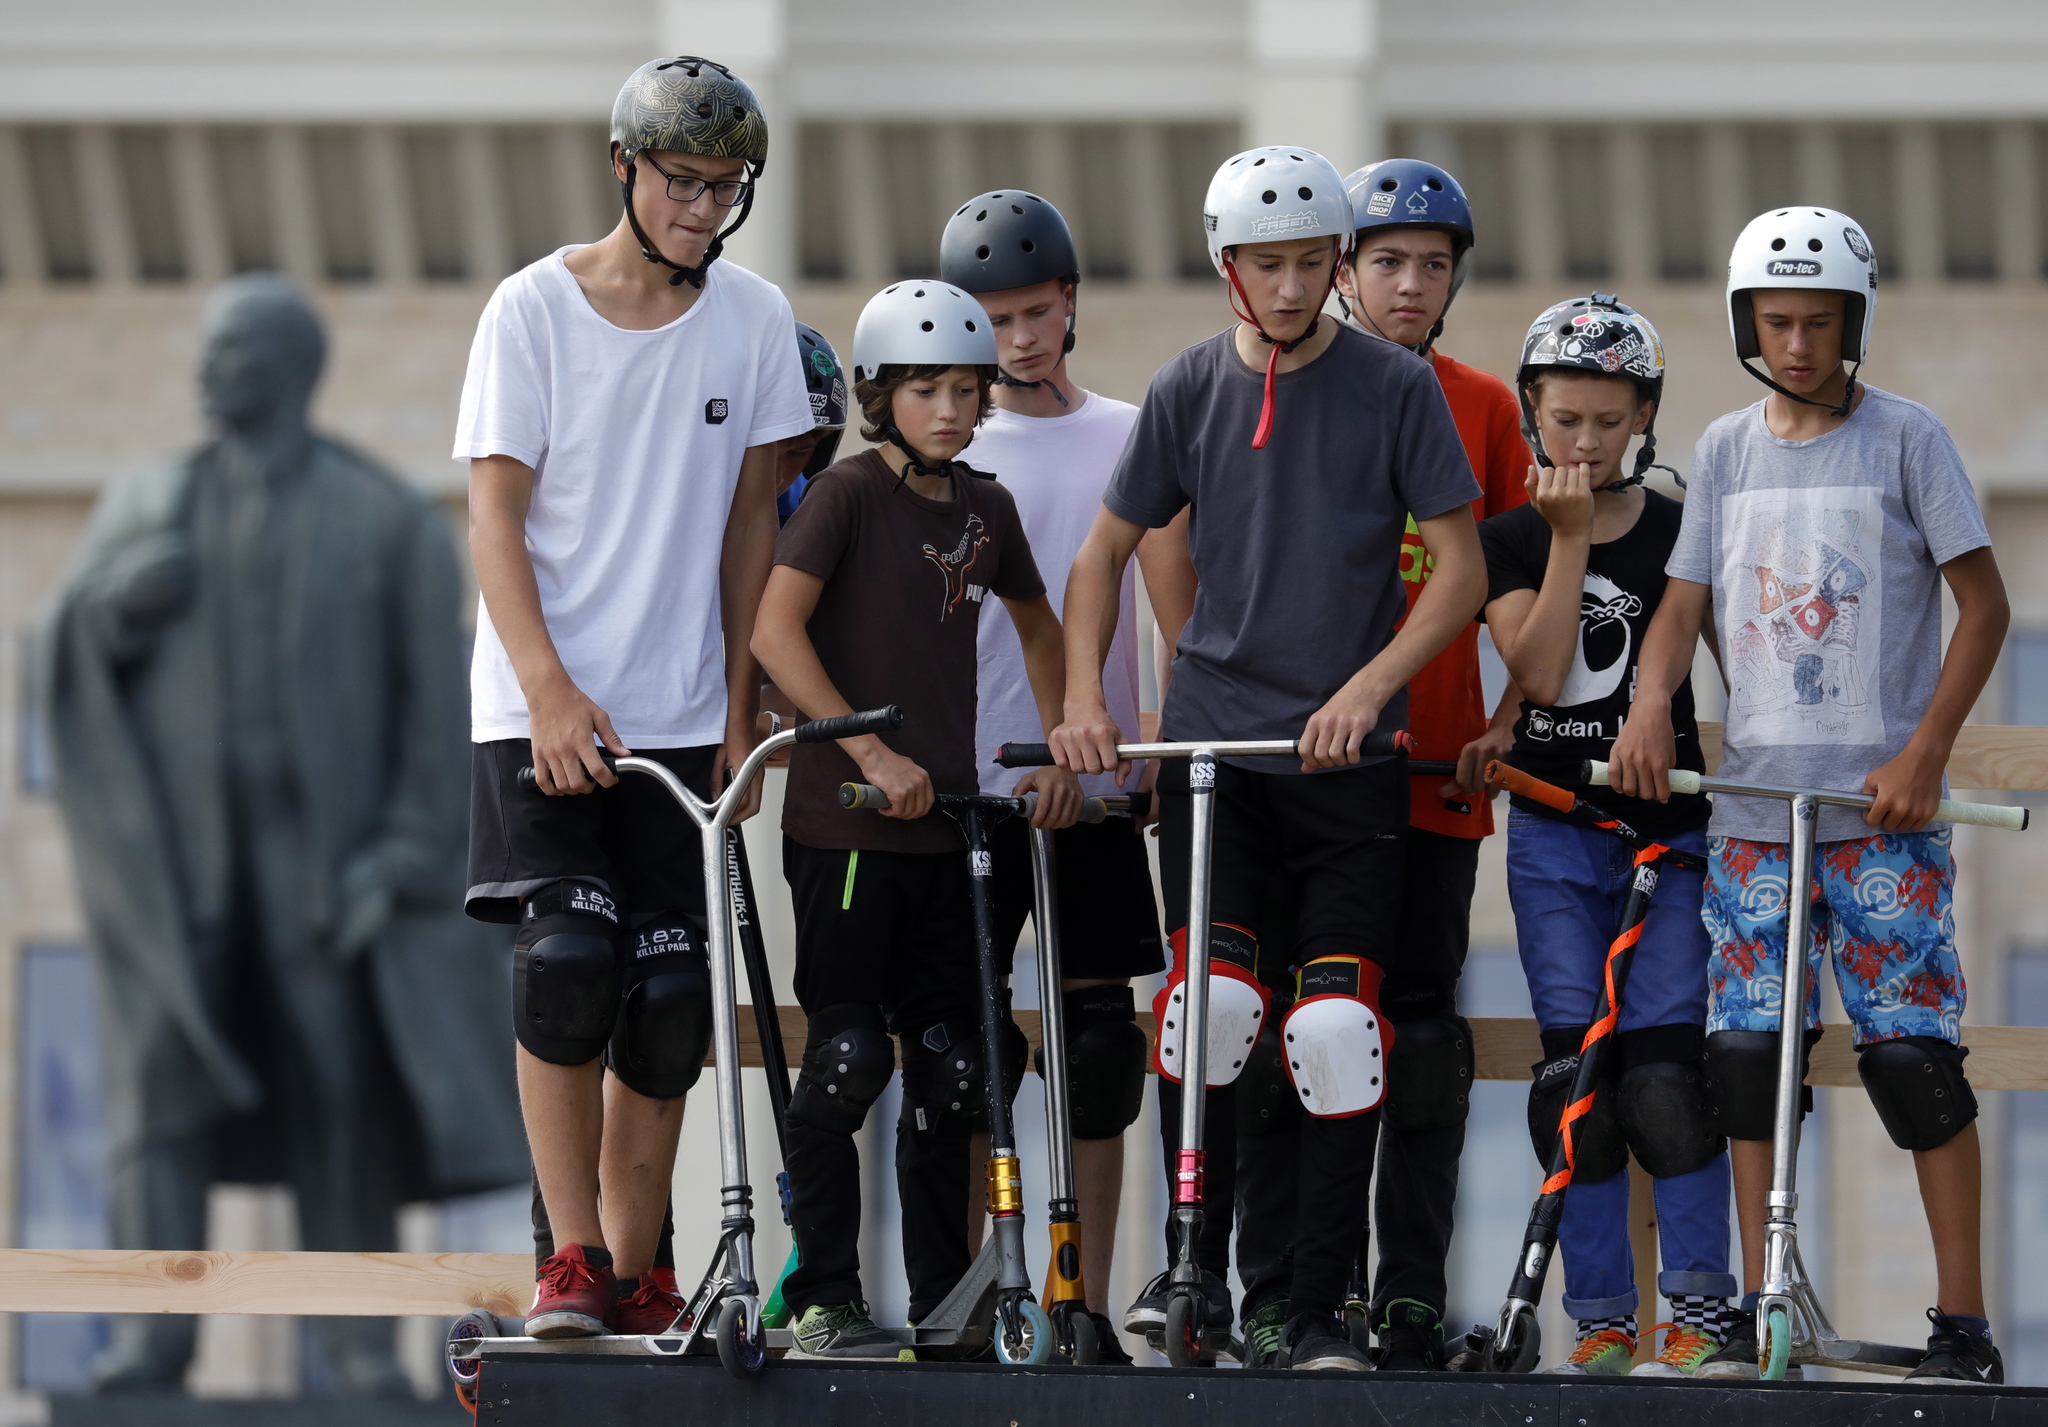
{"points": [[60, 210], [340, 203], [143, 159], [430, 169], [1678, 181], [1969, 202]]}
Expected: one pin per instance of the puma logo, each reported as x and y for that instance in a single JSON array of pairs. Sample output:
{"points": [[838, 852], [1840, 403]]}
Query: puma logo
{"points": [[958, 563]]}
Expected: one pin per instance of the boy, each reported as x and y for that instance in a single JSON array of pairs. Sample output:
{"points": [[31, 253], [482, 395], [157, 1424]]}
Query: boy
{"points": [[873, 601], [1295, 537], [1575, 578], [622, 512], [1816, 524], [1054, 445]]}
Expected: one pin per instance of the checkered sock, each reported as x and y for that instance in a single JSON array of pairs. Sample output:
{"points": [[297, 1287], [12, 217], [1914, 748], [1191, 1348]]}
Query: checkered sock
{"points": [[1705, 1314], [1621, 1322]]}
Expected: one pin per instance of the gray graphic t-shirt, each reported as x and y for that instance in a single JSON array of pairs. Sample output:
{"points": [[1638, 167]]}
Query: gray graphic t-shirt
{"points": [[1824, 556]]}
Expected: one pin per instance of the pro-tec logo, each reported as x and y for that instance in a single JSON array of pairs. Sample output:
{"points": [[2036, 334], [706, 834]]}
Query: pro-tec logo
{"points": [[1793, 267], [1281, 224], [956, 564], [716, 410]]}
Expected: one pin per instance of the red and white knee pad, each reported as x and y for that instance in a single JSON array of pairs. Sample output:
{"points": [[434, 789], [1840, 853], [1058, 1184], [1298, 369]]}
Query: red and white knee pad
{"points": [[1237, 1004], [1334, 1039]]}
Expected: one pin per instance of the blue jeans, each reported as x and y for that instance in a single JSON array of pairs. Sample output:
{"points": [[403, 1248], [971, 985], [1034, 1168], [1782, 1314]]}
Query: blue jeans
{"points": [[1567, 885]]}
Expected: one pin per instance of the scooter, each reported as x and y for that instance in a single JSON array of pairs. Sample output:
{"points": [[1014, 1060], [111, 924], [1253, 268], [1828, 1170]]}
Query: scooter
{"points": [[1792, 1328], [1187, 1345]]}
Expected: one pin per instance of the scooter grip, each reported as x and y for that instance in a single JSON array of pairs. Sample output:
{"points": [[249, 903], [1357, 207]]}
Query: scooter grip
{"points": [[1500, 775], [1093, 810], [526, 778], [853, 725], [1386, 743], [860, 796], [1024, 755]]}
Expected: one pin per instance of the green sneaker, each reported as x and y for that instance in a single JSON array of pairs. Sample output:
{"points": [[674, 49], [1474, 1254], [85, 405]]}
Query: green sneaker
{"points": [[844, 1330], [1607, 1353], [1684, 1350], [1265, 1332]]}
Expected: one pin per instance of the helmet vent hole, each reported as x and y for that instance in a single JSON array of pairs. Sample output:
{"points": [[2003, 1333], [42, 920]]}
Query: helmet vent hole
{"points": [[1295, 157], [1268, 196], [1015, 209], [703, 111], [1306, 192], [1813, 244], [982, 252], [925, 326], [920, 291], [1433, 186], [980, 217], [1029, 246], [1777, 245], [1388, 185], [970, 325], [1257, 162]]}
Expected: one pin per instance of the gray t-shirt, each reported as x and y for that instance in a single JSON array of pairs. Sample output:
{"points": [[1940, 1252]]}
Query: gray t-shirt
{"points": [[1825, 560], [1297, 546]]}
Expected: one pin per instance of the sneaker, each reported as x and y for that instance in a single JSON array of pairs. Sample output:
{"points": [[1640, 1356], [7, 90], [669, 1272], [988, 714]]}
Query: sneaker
{"points": [[1607, 1353], [644, 1307], [1147, 1314], [1109, 1344], [1685, 1348], [1411, 1337], [1736, 1359], [1265, 1336], [573, 1295], [1957, 1356], [844, 1330], [1315, 1342]]}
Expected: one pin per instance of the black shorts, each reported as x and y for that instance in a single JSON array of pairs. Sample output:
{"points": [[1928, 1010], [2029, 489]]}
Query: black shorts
{"points": [[887, 929], [1109, 922], [631, 840]]}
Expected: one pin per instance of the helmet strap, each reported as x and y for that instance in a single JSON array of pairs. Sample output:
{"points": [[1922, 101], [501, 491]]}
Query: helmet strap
{"points": [[1646, 455], [679, 275], [1839, 411], [1244, 314], [916, 464], [1003, 378]]}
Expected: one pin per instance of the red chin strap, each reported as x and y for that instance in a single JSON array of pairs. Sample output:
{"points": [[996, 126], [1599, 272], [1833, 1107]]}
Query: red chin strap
{"points": [[1280, 349]]}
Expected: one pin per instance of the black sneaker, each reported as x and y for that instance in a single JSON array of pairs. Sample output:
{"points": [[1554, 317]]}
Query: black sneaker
{"points": [[1411, 1335], [1957, 1356], [1316, 1342], [1265, 1335], [1736, 1359], [844, 1330], [1147, 1315], [1109, 1344]]}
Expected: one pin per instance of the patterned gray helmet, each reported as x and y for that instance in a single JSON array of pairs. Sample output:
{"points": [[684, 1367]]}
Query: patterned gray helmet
{"points": [[690, 105], [1602, 335]]}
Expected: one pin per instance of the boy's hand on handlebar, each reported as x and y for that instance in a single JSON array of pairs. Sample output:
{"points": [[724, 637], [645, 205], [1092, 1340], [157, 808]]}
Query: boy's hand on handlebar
{"points": [[909, 787], [1148, 782], [1639, 765], [1907, 790], [739, 744], [1086, 743], [1059, 797], [1492, 746], [564, 727], [1337, 730]]}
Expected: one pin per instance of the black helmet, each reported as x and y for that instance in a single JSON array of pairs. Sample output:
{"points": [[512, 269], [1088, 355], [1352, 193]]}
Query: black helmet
{"points": [[825, 380], [1006, 240], [693, 106], [1604, 336]]}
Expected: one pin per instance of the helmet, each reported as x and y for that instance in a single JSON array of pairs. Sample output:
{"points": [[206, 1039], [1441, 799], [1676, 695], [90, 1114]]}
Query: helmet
{"points": [[1599, 334], [921, 322], [1409, 193], [825, 380], [1815, 248], [1275, 193], [692, 106], [1004, 240]]}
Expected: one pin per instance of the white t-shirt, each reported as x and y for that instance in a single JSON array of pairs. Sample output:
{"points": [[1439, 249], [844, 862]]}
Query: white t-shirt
{"points": [[635, 439], [1056, 467]]}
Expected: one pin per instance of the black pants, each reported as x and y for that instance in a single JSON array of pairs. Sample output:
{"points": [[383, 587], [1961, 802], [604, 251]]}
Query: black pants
{"points": [[892, 930], [1338, 838]]}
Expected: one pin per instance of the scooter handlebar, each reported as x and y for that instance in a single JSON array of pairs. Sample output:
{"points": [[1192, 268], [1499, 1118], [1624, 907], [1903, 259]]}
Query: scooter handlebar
{"points": [[1684, 780], [853, 725], [1380, 743], [527, 779], [866, 797]]}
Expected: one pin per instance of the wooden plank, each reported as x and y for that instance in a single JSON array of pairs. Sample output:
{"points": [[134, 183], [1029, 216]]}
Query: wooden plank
{"points": [[346, 1285], [1987, 756]]}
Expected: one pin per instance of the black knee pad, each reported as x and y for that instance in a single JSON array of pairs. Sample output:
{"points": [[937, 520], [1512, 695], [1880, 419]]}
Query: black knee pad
{"points": [[848, 1059], [664, 1024], [1265, 1097], [1429, 1074], [1919, 1088], [1663, 1107], [944, 1088], [1105, 1060], [1598, 1149], [1741, 1073], [566, 973]]}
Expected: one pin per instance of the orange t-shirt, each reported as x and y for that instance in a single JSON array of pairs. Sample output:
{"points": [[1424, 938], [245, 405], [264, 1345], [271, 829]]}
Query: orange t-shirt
{"points": [[1446, 706]]}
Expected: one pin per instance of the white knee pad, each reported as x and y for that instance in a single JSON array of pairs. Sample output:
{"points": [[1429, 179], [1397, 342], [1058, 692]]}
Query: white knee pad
{"points": [[1334, 1040], [1237, 1005]]}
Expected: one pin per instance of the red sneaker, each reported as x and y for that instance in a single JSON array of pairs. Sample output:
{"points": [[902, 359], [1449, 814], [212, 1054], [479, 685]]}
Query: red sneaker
{"points": [[572, 1297], [646, 1307]]}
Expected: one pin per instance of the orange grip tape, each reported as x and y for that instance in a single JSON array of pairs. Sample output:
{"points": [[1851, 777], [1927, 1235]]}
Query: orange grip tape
{"points": [[1534, 789]]}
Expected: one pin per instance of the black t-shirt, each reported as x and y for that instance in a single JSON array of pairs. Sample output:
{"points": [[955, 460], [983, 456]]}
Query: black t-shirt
{"points": [[1624, 581]]}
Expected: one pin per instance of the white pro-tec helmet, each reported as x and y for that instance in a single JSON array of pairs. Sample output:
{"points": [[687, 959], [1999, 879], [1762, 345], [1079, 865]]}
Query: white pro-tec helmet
{"points": [[921, 322], [1275, 193], [1814, 248]]}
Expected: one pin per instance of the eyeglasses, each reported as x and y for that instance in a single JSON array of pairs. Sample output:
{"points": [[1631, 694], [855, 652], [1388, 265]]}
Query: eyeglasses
{"points": [[683, 188]]}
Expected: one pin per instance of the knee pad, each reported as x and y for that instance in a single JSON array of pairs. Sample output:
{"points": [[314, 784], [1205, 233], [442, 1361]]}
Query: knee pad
{"points": [[664, 1022], [1237, 1004], [848, 1059], [1598, 1150], [1265, 1097], [1741, 1073], [1335, 1043], [1663, 1108], [1105, 1061], [1429, 1074], [1919, 1088], [944, 1083], [566, 973]]}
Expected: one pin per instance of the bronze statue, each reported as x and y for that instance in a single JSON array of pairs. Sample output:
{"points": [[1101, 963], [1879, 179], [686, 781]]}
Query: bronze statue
{"points": [[256, 686]]}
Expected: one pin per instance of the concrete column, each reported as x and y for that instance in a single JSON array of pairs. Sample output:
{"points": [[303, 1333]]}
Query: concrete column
{"points": [[1539, 229], [1313, 64], [953, 169], [1633, 196], [1917, 184], [486, 233], [23, 264], [294, 216], [202, 224], [1432, 143], [1150, 219], [1727, 206], [394, 230], [103, 197], [586, 197], [2017, 183], [1049, 164], [1819, 166], [870, 254], [750, 37]]}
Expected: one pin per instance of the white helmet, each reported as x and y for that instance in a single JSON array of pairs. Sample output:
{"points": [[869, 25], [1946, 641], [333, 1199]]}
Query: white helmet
{"points": [[1273, 193], [921, 322], [1814, 248]]}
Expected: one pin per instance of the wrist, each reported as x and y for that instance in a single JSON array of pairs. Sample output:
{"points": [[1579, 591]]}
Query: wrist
{"points": [[1084, 706], [548, 683]]}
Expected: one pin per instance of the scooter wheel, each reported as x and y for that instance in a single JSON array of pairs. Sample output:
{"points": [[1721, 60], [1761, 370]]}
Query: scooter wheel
{"points": [[1183, 1339], [1081, 1345], [1519, 1351], [742, 1346], [1775, 1355], [1023, 1333], [463, 1372], [1358, 1326]]}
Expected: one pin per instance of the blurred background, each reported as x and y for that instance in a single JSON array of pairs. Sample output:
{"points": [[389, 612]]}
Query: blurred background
{"points": [[398, 157]]}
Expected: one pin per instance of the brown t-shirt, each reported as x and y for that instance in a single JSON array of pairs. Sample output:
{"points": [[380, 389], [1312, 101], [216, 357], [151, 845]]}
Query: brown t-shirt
{"points": [[896, 624]]}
